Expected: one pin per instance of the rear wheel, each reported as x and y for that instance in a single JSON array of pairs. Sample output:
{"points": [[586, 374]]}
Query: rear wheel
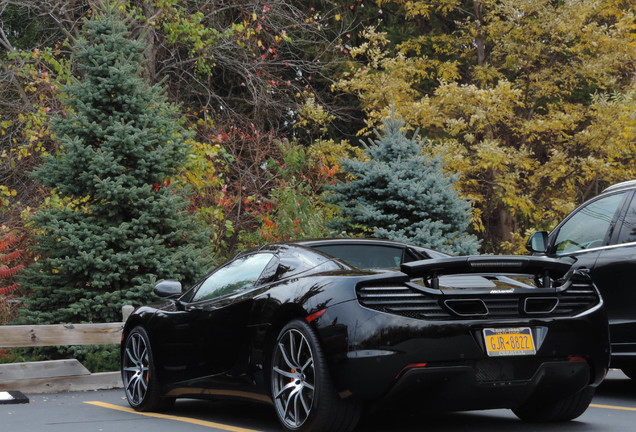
{"points": [[303, 394], [564, 409], [138, 374]]}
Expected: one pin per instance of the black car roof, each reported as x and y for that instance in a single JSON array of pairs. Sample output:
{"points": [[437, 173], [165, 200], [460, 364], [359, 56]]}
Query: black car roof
{"points": [[316, 242], [362, 241]]}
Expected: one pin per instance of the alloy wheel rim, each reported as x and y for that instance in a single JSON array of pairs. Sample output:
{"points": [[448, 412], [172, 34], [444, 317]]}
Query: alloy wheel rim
{"points": [[136, 369], [293, 378]]}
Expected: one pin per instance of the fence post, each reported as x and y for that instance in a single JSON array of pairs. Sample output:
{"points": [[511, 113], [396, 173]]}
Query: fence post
{"points": [[126, 310]]}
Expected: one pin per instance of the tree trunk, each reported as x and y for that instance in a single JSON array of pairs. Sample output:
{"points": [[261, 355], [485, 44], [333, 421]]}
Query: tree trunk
{"points": [[479, 38]]}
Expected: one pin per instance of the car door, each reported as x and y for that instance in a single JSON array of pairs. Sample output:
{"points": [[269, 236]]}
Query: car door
{"points": [[204, 336], [615, 275], [586, 237]]}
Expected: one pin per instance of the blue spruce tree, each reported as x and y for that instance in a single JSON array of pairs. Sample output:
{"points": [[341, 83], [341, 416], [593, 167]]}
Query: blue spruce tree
{"points": [[400, 194], [118, 224]]}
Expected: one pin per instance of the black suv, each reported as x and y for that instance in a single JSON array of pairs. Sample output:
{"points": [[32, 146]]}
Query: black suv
{"points": [[600, 236]]}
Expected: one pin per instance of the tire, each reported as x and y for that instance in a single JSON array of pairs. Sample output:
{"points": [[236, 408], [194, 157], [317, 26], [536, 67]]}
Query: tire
{"points": [[564, 409], [138, 374], [302, 391]]}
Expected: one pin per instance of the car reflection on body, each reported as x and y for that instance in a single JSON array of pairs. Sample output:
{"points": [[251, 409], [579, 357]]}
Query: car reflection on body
{"points": [[298, 326]]}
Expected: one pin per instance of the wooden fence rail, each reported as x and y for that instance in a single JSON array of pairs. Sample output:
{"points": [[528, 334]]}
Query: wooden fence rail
{"points": [[58, 375], [60, 334]]}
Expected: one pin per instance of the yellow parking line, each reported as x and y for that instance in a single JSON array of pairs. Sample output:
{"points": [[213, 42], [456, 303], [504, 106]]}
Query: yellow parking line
{"points": [[171, 417], [613, 407]]}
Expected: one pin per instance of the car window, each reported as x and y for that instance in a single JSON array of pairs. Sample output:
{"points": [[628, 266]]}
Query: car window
{"points": [[628, 228], [587, 227], [364, 256], [238, 275]]}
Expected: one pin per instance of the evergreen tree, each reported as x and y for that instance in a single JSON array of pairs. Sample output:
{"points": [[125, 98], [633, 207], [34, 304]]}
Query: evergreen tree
{"points": [[403, 195], [117, 224]]}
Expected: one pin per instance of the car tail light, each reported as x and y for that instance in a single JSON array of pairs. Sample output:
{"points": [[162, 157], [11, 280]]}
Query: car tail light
{"points": [[409, 367]]}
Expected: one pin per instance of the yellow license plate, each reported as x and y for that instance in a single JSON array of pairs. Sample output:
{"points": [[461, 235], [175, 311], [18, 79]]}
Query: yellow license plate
{"points": [[509, 341]]}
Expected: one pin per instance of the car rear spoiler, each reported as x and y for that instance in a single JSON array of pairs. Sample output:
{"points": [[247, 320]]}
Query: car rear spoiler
{"points": [[542, 267]]}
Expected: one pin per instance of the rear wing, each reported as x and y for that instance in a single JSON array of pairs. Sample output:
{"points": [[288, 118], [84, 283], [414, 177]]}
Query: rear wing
{"points": [[544, 269]]}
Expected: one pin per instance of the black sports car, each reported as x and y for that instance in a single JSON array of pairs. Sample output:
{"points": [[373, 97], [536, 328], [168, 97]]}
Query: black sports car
{"points": [[293, 326]]}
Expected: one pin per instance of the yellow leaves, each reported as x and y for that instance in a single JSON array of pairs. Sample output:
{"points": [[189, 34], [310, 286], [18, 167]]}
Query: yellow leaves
{"points": [[455, 126], [489, 154], [609, 139], [331, 152], [313, 115], [425, 8], [486, 75], [481, 109], [205, 167], [337, 17], [373, 49], [5, 193], [417, 8], [448, 71]]}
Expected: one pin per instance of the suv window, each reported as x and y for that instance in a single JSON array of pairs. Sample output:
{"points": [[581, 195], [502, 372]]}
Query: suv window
{"points": [[239, 275], [628, 228], [588, 227]]}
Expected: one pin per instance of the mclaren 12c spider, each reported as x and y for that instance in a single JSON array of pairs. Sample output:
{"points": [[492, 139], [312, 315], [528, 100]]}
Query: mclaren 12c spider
{"points": [[322, 329]]}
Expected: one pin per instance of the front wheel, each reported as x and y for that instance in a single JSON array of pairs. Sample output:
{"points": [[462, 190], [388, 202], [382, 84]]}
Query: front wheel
{"points": [[138, 374], [303, 393], [565, 409]]}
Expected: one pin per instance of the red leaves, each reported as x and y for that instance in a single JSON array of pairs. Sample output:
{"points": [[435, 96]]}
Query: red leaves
{"points": [[157, 186], [9, 289], [8, 241], [225, 201], [7, 271], [10, 257]]}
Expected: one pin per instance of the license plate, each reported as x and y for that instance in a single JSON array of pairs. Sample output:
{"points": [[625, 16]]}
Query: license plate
{"points": [[509, 341]]}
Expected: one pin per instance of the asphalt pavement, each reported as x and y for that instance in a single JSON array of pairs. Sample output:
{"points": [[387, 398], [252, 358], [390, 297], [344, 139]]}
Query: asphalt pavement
{"points": [[613, 409]]}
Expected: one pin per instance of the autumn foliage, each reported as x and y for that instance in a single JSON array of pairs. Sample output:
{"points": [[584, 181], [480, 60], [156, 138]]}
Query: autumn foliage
{"points": [[529, 104], [11, 258], [8, 255]]}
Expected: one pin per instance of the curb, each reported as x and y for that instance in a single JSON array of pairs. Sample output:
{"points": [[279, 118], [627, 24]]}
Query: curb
{"points": [[96, 381]]}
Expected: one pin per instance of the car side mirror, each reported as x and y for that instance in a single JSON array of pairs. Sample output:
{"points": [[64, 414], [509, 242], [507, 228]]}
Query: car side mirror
{"points": [[168, 289], [538, 242]]}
